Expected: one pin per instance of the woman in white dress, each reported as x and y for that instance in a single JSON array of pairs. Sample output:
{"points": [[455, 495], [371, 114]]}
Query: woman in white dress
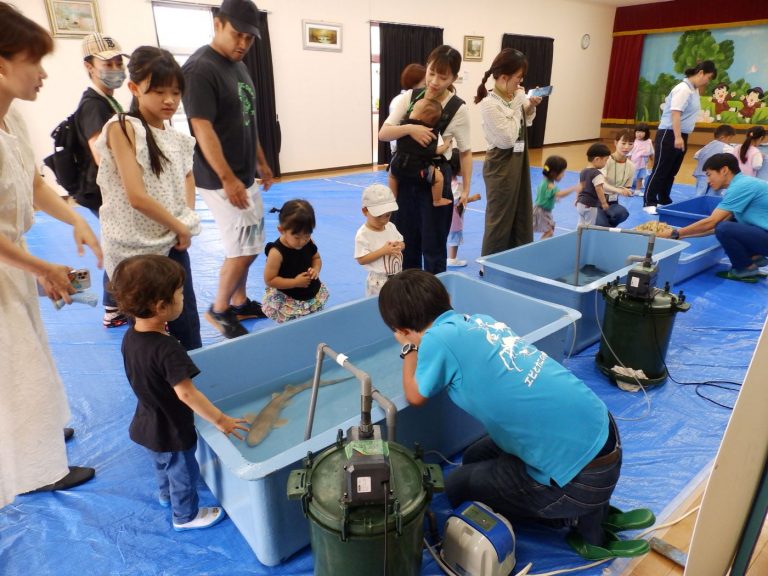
{"points": [[33, 404]]}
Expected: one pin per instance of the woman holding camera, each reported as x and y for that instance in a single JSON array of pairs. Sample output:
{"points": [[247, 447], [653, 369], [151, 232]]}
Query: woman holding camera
{"points": [[34, 409]]}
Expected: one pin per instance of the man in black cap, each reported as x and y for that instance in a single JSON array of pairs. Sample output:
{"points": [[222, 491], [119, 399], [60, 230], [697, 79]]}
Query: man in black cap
{"points": [[220, 102]]}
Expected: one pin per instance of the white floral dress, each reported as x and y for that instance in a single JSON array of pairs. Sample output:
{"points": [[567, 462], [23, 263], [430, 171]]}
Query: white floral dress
{"points": [[125, 231], [33, 404]]}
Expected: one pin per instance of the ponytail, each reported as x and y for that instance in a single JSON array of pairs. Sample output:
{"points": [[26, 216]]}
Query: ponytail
{"points": [[482, 91], [753, 134], [157, 158], [508, 61]]}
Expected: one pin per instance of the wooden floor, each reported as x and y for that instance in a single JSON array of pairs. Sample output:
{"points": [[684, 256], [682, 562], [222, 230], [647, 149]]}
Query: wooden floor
{"points": [[679, 535]]}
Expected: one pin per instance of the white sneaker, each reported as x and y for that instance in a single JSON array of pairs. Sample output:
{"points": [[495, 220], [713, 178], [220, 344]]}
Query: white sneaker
{"points": [[454, 263], [206, 517], [650, 209]]}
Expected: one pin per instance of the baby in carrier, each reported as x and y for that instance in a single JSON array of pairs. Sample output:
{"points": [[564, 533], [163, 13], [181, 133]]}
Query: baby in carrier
{"points": [[414, 161]]}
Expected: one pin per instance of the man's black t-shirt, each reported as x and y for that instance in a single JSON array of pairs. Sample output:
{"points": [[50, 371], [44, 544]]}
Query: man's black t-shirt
{"points": [[92, 114], [154, 364], [222, 92]]}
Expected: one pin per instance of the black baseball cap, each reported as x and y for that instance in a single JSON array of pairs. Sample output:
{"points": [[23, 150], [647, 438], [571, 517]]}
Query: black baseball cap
{"points": [[243, 14]]}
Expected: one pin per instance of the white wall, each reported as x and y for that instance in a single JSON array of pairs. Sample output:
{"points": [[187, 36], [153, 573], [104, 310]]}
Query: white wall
{"points": [[323, 97]]}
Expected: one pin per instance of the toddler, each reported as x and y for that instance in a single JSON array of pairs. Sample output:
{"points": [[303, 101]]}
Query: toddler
{"points": [[149, 288], [721, 144], [292, 271], [640, 155], [456, 231], [548, 193], [378, 244], [414, 161], [591, 198]]}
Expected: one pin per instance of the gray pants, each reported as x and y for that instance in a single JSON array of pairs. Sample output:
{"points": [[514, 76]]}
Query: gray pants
{"points": [[509, 203]]}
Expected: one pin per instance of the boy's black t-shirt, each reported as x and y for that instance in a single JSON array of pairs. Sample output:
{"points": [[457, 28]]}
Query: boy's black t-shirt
{"points": [[222, 92], [154, 364], [93, 112]]}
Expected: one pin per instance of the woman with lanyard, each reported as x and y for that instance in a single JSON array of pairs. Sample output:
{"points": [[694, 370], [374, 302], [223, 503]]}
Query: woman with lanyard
{"points": [[506, 111], [678, 119], [619, 176], [423, 226]]}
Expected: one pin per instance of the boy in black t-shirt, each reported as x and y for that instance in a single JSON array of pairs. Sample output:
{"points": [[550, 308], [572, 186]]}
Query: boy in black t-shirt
{"points": [[149, 289]]}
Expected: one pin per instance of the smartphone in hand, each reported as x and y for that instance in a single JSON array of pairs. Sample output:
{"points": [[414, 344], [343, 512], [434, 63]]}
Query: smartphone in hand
{"points": [[540, 92]]}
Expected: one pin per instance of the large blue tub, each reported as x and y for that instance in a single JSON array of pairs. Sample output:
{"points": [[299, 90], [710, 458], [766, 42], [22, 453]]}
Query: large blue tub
{"points": [[546, 270], [688, 211], [704, 251], [239, 376]]}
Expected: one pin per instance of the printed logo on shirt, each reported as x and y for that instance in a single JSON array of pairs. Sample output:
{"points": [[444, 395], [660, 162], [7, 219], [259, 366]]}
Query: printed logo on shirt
{"points": [[513, 348], [393, 263], [247, 102]]}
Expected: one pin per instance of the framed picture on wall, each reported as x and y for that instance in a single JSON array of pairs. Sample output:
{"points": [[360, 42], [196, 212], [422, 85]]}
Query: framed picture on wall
{"points": [[73, 18], [473, 47], [321, 35]]}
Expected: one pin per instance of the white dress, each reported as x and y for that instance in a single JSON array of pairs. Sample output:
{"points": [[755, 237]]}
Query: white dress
{"points": [[33, 404], [125, 231]]}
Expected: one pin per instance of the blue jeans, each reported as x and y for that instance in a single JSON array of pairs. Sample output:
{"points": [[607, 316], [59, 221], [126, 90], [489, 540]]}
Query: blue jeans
{"points": [[424, 227], [615, 215], [177, 476], [500, 480], [741, 242], [186, 328]]}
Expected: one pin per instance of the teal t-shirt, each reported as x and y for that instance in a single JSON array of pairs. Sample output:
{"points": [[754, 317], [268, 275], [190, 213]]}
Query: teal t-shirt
{"points": [[531, 406], [747, 199], [545, 196]]}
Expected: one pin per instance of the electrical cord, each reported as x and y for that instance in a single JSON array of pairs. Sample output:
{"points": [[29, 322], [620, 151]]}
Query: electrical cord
{"points": [[698, 385], [442, 457], [386, 524]]}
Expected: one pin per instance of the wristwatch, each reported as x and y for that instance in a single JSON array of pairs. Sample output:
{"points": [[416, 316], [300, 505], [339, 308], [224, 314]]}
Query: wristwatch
{"points": [[407, 349], [675, 234]]}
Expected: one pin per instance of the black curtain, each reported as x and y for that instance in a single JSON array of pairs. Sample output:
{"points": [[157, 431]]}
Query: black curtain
{"points": [[400, 45], [538, 50], [258, 60]]}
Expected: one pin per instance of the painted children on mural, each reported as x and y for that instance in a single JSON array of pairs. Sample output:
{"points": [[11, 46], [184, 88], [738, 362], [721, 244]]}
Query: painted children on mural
{"points": [[592, 198], [150, 289], [722, 143], [378, 244], [751, 101], [292, 270], [414, 161], [548, 193], [641, 155], [748, 152], [720, 100]]}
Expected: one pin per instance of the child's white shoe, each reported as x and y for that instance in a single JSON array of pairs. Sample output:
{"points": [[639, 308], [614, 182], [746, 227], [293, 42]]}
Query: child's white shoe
{"points": [[454, 263], [206, 517]]}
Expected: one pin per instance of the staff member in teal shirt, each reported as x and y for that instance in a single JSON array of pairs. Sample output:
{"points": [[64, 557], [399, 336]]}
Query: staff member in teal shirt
{"points": [[553, 452], [740, 221]]}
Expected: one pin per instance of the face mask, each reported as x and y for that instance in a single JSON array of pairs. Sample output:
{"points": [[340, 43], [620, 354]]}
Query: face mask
{"points": [[112, 79]]}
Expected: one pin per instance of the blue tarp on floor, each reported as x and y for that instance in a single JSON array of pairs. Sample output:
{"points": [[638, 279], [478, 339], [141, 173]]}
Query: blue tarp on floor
{"points": [[113, 525]]}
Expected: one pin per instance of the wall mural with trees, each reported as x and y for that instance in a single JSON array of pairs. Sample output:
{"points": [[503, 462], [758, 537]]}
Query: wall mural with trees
{"points": [[735, 96]]}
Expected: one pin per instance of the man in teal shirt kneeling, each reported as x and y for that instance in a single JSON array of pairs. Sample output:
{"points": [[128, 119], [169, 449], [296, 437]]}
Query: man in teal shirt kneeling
{"points": [[553, 452]]}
